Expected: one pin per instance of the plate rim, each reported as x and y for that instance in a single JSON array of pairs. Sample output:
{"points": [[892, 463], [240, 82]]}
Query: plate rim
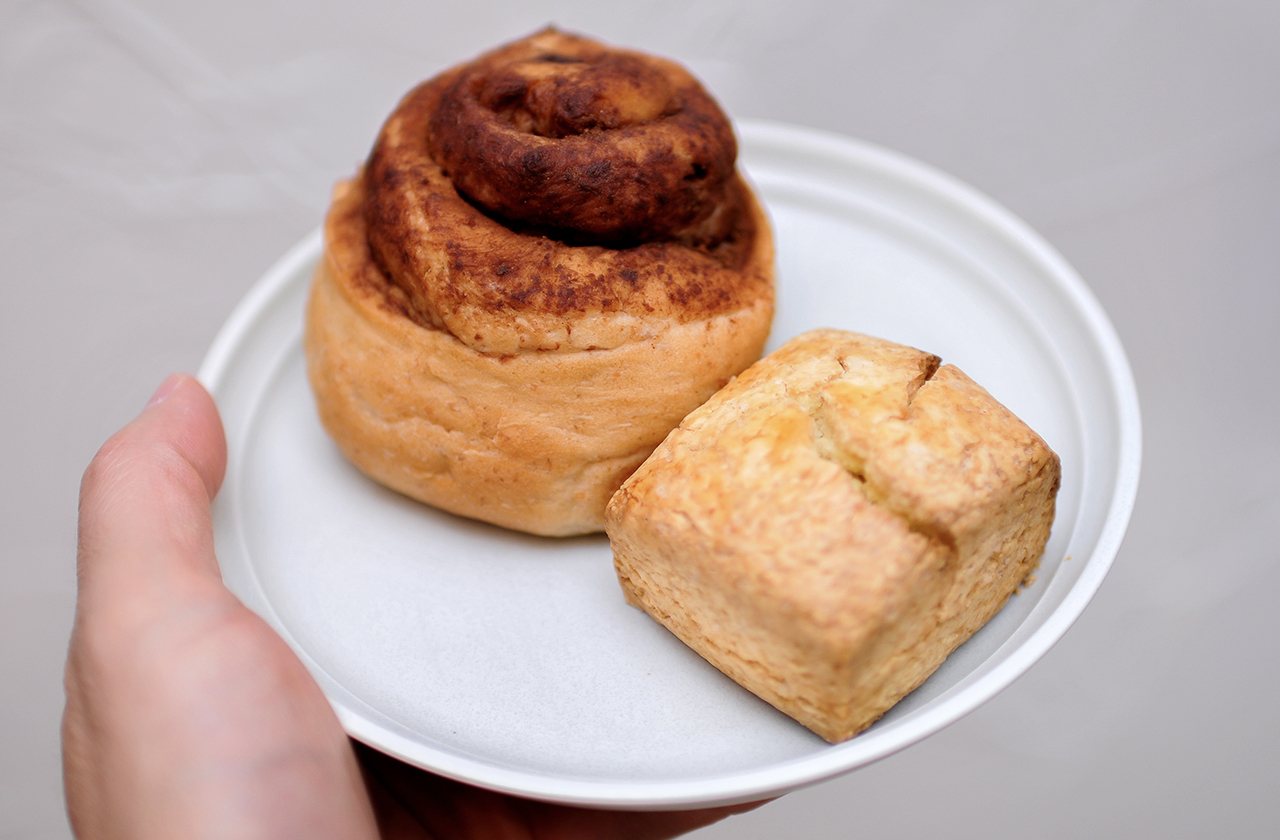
{"points": [[964, 698]]}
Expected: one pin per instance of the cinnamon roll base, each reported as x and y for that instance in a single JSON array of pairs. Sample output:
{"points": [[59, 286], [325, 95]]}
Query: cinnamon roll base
{"points": [[536, 441]]}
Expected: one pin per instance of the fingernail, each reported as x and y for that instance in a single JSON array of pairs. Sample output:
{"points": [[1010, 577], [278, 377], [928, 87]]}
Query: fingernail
{"points": [[165, 389]]}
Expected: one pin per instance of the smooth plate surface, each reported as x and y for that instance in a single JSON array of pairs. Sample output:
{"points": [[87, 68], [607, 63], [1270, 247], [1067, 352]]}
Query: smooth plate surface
{"points": [[511, 661]]}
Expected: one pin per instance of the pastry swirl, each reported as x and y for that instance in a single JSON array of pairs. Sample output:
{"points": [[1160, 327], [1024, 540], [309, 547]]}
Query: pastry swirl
{"points": [[547, 261], [501, 236], [606, 145]]}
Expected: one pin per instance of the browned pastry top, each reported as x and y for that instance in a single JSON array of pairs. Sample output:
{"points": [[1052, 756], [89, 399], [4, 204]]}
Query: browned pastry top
{"points": [[607, 145], [515, 198]]}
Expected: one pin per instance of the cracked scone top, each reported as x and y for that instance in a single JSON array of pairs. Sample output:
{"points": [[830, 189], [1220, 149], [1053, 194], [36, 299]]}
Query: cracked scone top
{"points": [[547, 261], [832, 524]]}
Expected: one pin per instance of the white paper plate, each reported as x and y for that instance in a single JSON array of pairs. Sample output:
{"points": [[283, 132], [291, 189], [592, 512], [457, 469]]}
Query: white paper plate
{"points": [[511, 661]]}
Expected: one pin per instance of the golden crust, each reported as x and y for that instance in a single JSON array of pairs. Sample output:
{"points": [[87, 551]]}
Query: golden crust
{"points": [[833, 523], [532, 441]]}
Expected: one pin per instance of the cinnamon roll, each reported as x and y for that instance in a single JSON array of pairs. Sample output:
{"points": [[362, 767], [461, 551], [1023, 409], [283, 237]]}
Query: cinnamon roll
{"points": [[548, 260]]}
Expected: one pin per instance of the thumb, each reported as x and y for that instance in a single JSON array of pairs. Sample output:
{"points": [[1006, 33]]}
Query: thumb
{"points": [[185, 713], [144, 500], [182, 414]]}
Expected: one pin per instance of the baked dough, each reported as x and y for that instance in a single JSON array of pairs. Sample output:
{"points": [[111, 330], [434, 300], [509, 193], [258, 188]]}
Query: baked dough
{"points": [[832, 524], [547, 262]]}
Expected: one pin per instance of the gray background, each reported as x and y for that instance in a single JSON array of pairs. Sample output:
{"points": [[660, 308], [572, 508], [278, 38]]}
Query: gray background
{"points": [[156, 157]]}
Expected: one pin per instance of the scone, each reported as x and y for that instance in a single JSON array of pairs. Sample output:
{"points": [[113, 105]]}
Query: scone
{"points": [[832, 524], [548, 260]]}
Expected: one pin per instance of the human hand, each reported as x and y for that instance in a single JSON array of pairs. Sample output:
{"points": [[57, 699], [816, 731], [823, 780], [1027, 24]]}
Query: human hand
{"points": [[187, 716]]}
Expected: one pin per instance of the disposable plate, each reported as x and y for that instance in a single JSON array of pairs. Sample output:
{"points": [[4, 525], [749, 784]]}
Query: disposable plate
{"points": [[511, 661]]}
